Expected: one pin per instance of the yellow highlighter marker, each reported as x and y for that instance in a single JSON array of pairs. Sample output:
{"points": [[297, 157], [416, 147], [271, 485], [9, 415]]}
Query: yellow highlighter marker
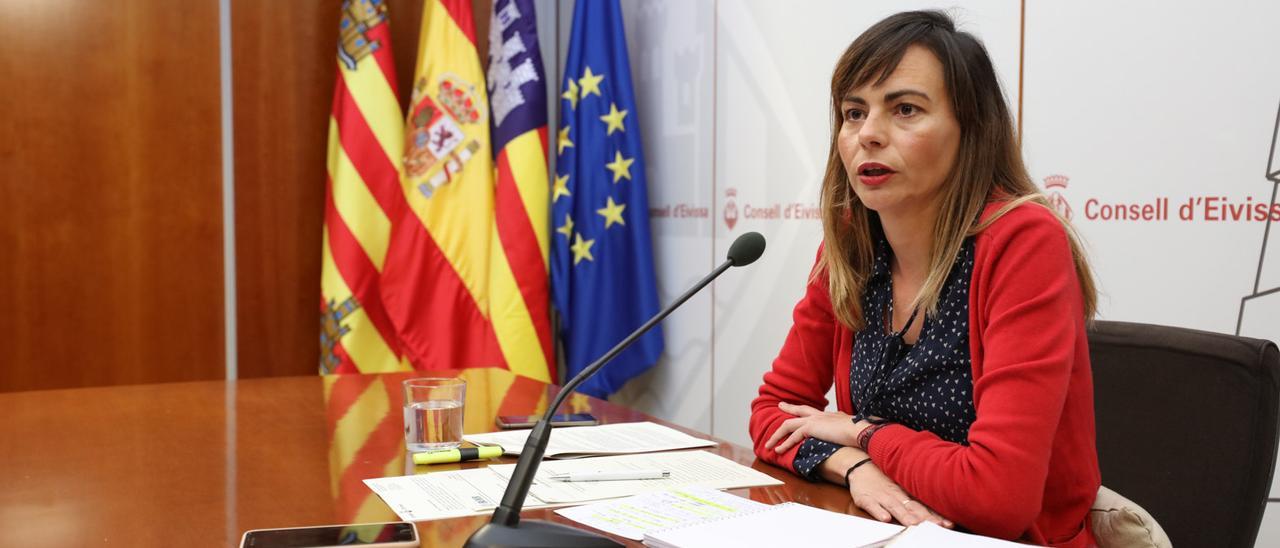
{"points": [[458, 454]]}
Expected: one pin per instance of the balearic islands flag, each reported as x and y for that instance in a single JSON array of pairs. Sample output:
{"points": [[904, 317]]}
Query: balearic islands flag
{"points": [[519, 305], [361, 198], [601, 258]]}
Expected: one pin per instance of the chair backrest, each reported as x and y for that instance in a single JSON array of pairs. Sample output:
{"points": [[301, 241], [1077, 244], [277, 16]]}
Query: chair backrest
{"points": [[1187, 426]]}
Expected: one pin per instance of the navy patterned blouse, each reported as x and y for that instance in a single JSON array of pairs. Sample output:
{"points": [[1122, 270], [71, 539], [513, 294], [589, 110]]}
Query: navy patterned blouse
{"points": [[925, 386]]}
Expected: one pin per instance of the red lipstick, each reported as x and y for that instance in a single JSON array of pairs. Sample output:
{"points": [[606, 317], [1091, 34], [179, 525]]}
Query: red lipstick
{"points": [[874, 173]]}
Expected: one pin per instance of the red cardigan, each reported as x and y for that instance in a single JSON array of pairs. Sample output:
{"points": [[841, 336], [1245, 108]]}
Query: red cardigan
{"points": [[1030, 470]]}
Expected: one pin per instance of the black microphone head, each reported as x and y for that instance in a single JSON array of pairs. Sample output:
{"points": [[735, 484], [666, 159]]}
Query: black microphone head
{"points": [[746, 249]]}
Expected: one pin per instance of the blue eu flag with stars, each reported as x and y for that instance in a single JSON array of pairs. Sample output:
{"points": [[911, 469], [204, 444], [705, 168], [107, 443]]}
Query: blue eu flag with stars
{"points": [[602, 278]]}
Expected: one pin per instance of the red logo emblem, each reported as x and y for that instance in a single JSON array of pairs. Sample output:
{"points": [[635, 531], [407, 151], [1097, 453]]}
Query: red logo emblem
{"points": [[730, 208], [1051, 185]]}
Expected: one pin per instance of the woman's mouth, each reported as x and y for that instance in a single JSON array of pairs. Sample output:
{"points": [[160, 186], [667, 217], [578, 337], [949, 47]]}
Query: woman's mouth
{"points": [[872, 173]]}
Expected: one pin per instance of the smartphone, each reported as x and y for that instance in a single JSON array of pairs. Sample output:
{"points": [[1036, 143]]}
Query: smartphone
{"points": [[507, 422], [396, 533]]}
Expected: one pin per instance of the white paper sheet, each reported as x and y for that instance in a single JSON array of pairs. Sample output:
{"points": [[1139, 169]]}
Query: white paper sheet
{"points": [[929, 534], [606, 439], [444, 494], [786, 524], [631, 516], [688, 468]]}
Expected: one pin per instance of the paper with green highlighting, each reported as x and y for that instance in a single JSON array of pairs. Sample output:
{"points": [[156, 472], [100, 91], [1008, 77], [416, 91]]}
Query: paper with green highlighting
{"points": [[630, 517]]}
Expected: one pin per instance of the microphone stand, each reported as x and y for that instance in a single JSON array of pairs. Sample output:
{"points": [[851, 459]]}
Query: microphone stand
{"points": [[505, 527]]}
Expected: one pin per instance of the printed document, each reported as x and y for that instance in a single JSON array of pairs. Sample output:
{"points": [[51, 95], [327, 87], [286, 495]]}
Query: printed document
{"points": [[630, 517], [688, 468], [606, 439], [440, 495], [478, 491]]}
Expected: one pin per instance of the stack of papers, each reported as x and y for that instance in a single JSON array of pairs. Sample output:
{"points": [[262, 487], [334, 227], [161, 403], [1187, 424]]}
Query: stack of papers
{"points": [[682, 510], [479, 490], [606, 439], [695, 517]]}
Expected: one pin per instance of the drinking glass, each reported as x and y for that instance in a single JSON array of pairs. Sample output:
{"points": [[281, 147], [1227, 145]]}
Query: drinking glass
{"points": [[433, 413]]}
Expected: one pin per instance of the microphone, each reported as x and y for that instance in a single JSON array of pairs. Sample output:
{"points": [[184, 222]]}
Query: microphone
{"points": [[505, 527]]}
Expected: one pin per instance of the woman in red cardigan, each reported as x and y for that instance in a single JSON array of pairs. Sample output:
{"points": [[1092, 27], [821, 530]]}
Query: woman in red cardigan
{"points": [[948, 306]]}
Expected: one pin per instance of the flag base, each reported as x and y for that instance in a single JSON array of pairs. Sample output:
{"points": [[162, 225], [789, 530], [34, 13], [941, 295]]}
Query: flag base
{"points": [[537, 533]]}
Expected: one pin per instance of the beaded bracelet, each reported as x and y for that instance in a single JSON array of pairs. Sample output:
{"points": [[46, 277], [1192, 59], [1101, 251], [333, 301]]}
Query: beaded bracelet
{"points": [[852, 468], [864, 437]]}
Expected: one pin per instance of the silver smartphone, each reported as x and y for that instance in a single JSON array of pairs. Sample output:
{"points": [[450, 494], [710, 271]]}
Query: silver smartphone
{"points": [[397, 533]]}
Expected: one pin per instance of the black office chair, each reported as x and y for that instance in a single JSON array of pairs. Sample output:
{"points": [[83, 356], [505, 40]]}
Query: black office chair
{"points": [[1187, 427]]}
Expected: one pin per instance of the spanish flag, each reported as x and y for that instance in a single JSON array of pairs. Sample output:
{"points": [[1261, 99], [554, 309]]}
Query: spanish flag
{"points": [[448, 284], [362, 196]]}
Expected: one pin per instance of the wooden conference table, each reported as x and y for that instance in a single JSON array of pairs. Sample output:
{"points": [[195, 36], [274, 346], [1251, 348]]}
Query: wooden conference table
{"points": [[197, 464]]}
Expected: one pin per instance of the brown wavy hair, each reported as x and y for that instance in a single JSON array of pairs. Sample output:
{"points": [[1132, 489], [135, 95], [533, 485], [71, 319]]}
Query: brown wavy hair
{"points": [[988, 165]]}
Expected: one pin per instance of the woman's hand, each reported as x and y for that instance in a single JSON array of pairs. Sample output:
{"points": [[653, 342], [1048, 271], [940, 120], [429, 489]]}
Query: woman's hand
{"points": [[809, 422], [879, 496]]}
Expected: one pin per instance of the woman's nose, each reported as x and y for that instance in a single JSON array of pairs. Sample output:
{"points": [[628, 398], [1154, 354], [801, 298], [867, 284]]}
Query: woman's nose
{"points": [[872, 133]]}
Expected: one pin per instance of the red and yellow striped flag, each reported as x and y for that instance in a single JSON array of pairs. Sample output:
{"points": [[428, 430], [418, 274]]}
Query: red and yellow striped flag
{"points": [[448, 284], [362, 197]]}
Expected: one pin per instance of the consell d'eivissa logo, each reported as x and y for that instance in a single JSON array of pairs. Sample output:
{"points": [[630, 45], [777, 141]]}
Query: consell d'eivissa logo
{"points": [[1196, 208], [731, 212]]}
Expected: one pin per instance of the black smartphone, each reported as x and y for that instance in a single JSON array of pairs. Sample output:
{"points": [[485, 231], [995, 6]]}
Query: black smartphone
{"points": [[507, 422], [396, 533]]}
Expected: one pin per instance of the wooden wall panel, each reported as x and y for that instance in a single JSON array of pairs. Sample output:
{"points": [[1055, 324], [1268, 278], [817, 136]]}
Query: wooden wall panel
{"points": [[110, 241], [283, 77]]}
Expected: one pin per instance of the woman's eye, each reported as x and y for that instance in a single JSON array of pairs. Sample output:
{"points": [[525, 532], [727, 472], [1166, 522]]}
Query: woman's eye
{"points": [[906, 109], [854, 115]]}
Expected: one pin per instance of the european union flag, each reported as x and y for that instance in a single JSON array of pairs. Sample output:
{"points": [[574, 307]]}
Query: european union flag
{"points": [[601, 256]]}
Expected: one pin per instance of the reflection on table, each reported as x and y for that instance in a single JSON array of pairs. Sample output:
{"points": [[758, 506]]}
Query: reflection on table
{"points": [[197, 464]]}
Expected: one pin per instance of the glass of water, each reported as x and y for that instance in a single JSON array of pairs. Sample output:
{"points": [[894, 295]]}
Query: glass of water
{"points": [[433, 413]]}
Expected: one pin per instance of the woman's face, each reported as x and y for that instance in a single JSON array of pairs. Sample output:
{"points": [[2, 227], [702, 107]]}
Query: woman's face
{"points": [[900, 138]]}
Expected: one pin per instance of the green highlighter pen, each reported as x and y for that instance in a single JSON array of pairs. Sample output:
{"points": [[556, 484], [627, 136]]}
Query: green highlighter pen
{"points": [[458, 454]]}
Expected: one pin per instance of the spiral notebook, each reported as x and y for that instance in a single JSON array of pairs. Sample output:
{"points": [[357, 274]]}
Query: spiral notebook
{"points": [[786, 524]]}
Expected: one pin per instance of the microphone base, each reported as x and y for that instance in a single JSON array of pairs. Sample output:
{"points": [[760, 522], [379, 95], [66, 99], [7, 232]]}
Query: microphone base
{"points": [[537, 533]]}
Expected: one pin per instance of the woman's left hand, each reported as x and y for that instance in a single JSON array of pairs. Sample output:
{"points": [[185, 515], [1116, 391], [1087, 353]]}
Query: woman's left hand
{"points": [[837, 428]]}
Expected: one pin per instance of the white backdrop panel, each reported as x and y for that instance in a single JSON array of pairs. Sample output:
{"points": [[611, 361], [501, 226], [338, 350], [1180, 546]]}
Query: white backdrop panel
{"points": [[1138, 110], [671, 43]]}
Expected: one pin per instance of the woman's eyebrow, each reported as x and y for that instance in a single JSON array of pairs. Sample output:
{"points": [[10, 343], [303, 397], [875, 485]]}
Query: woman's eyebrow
{"points": [[888, 97], [895, 95]]}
